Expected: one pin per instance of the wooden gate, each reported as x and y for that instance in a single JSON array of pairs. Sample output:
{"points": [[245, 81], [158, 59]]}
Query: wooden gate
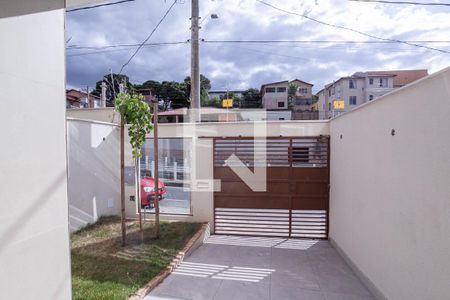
{"points": [[297, 198]]}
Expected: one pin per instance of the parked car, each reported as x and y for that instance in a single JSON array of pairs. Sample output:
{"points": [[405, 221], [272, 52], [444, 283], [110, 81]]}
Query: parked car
{"points": [[148, 191]]}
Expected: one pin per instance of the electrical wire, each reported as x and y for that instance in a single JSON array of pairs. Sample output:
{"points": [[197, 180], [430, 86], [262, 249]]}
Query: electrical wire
{"points": [[148, 37], [122, 46], [350, 29], [99, 5], [117, 50], [315, 41], [404, 2]]}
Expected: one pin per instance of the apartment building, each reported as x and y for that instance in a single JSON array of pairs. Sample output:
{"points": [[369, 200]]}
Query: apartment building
{"points": [[275, 96], [346, 93]]}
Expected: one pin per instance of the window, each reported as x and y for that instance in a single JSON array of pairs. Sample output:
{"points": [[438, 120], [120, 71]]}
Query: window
{"points": [[329, 106], [371, 81], [281, 90], [370, 97], [270, 90], [280, 104], [383, 82], [329, 93], [302, 90], [352, 100], [280, 118], [352, 84]]}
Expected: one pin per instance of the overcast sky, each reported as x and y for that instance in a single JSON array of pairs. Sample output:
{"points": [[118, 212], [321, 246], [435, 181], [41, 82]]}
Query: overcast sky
{"points": [[244, 65]]}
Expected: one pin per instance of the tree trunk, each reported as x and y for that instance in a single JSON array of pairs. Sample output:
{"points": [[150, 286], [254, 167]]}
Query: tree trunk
{"points": [[138, 195]]}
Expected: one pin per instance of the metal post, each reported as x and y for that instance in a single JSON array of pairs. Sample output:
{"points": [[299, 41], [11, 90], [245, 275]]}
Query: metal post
{"points": [[155, 160], [122, 180], [195, 68]]}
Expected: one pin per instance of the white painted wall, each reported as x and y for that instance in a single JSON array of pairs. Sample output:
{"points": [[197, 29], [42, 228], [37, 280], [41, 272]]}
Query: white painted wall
{"points": [[390, 195], [34, 238], [93, 151]]}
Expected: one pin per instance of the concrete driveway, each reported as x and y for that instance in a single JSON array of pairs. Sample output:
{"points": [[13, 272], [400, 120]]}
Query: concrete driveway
{"points": [[233, 268]]}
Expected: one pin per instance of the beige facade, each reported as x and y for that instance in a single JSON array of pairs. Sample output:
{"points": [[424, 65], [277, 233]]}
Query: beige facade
{"points": [[389, 197], [275, 95]]}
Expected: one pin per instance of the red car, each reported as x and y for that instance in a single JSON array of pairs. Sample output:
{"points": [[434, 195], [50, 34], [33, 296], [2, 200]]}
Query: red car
{"points": [[148, 191]]}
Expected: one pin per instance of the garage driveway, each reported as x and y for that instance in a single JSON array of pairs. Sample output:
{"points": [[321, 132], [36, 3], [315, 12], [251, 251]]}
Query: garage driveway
{"points": [[230, 267]]}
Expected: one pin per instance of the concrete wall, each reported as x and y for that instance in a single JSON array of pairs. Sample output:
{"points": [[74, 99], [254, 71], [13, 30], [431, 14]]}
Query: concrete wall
{"points": [[34, 237], [93, 151], [107, 115], [83, 169], [390, 195]]}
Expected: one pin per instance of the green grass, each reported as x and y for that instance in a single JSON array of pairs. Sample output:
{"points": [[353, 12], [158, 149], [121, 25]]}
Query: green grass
{"points": [[103, 269]]}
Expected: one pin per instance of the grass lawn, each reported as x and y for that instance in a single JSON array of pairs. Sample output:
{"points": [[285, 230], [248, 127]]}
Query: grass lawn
{"points": [[103, 269]]}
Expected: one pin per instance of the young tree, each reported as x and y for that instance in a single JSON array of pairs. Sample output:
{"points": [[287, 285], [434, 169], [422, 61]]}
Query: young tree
{"points": [[135, 112]]}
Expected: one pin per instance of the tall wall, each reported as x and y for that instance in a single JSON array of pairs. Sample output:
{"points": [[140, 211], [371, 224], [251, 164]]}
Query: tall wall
{"points": [[390, 194], [93, 151], [34, 238]]}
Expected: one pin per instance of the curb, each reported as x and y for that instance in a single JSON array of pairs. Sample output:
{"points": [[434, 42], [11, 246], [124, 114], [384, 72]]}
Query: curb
{"points": [[194, 242]]}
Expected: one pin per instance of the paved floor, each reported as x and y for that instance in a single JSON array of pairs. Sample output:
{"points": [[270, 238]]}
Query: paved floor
{"points": [[259, 268]]}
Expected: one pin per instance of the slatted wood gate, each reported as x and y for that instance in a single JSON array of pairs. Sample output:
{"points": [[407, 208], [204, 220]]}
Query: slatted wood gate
{"points": [[297, 198]]}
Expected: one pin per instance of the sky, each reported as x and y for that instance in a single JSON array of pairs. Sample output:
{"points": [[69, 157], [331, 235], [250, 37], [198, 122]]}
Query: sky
{"points": [[244, 65]]}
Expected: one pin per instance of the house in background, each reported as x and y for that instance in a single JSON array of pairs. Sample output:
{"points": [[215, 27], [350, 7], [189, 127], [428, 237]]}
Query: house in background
{"points": [[303, 101], [275, 97], [348, 92], [79, 99]]}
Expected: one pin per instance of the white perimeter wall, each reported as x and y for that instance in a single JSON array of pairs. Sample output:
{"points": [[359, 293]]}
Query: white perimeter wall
{"points": [[390, 195], [93, 150], [34, 238], [81, 174]]}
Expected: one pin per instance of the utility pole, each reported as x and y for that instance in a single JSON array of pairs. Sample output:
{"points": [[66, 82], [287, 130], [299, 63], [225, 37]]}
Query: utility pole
{"points": [[122, 179], [195, 56], [155, 160], [88, 100]]}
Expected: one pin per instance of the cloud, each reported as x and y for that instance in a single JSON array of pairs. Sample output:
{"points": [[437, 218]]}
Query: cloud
{"points": [[239, 66]]}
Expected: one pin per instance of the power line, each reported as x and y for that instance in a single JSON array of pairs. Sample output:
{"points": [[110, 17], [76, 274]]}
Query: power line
{"points": [[317, 41], [116, 50], [270, 53], [99, 5], [404, 2], [122, 45], [351, 29], [148, 37]]}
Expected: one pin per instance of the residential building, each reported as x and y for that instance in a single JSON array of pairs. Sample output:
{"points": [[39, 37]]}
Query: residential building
{"points": [[275, 96], [303, 95], [346, 93], [79, 99]]}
